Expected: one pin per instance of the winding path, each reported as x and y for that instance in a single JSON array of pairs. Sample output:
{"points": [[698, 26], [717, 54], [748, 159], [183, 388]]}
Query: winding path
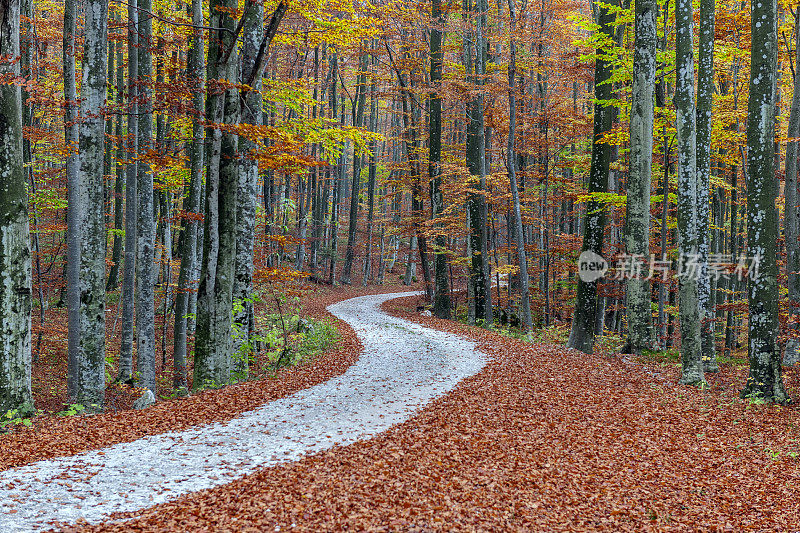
{"points": [[403, 367]]}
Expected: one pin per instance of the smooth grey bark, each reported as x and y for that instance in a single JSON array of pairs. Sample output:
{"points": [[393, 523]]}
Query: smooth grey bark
{"points": [[441, 300], [764, 379], [146, 269], [215, 292], [584, 318], [186, 276], [251, 102], [705, 93], [92, 351], [74, 233], [511, 157], [791, 355], [15, 255], [688, 305], [131, 199], [637, 216]]}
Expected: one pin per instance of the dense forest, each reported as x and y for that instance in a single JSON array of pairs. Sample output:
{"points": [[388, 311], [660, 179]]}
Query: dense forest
{"points": [[170, 170]]}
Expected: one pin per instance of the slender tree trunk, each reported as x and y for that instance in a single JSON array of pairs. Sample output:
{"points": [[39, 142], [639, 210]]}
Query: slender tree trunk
{"points": [[92, 381], [476, 163], [792, 213], [15, 254], [688, 305], [186, 281], [74, 233], [522, 260], [372, 172], [146, 270], [765, 379], [131, 199], [247, 195], [637, 217], [355, 189], [441, 301], [119, 169], [705, 92]]}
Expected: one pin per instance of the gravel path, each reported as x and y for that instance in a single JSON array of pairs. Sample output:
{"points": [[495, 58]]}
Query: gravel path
{"points": [[403, 367]]}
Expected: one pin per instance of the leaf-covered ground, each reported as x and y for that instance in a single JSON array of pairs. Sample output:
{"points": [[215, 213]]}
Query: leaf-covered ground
{"points": [[543, 439]]}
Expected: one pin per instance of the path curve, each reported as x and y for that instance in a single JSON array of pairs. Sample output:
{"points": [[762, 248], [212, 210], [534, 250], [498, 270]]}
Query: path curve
{"points": [[403, 367]]}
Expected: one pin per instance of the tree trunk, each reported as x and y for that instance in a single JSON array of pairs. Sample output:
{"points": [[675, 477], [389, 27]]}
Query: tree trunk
{"points": [[688, 309], [476, 163], [119, 170], [15, 254], [792, 214], [146, 270], [92, 381], [637, 216], [355, 189], [705, 92], [441, 301], [372, 171], [253, 32], [764, 379], [215, 293], [186, 281], [584, 318], [131, 196], [74, 233], [522, 260]]}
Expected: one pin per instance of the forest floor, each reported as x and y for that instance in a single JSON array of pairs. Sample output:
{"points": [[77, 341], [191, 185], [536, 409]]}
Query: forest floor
{"points": [[543, 439]]}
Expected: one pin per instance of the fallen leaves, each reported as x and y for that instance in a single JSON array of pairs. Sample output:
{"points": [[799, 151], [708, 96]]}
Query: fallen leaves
{"points": [[543, 439]]}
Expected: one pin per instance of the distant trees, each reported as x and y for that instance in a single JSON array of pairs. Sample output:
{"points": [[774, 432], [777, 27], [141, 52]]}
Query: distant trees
{"points": [[251, 163]]}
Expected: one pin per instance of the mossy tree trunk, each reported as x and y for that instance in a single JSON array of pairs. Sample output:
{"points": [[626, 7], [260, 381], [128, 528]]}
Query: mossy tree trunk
{"points": [[15, 255], [764, 379], [637, 216], [584, 319]]}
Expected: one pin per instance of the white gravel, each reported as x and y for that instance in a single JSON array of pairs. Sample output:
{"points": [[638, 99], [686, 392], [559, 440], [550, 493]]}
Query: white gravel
{"points": [[403, 367]]}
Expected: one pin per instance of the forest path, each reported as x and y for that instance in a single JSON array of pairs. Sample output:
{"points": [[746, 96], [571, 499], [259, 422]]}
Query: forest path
{"points": [[403, 367]]}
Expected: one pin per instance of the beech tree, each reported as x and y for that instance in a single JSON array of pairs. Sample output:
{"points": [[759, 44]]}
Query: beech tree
{"points": [[186, 285], [474, 63], [764, 379], [92, 366], [637, 216], [705, 94], [146, 269], [251, 104], [511, 162], [688, 224], [584, 319], [792, 216], [15, 254], [441, 303], [215, 292], [131, 198]]}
